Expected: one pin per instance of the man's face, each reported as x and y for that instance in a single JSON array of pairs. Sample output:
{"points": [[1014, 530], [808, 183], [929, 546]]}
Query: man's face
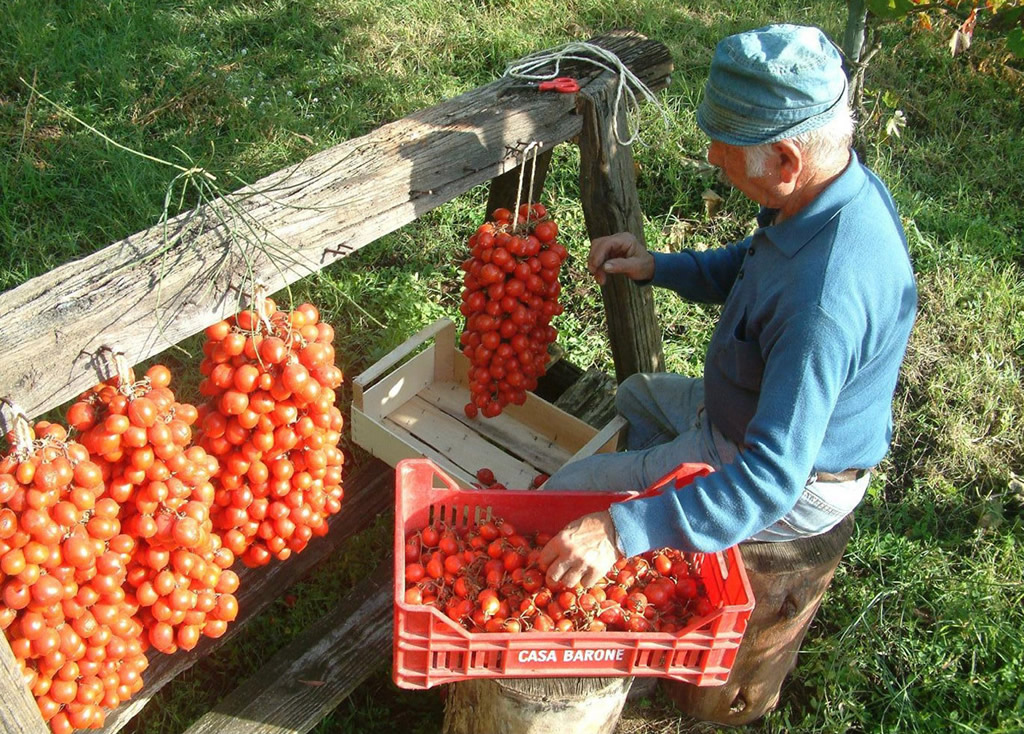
{"points": [[731, 160]]}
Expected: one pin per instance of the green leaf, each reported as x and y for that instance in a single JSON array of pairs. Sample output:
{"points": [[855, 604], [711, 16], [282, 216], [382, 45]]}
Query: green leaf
{"points": [[1015, 42], [890, 9]]}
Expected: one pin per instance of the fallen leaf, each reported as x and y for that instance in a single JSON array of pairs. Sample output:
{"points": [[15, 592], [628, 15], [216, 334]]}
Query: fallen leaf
{"points": [[712, 202], [961, 40]]}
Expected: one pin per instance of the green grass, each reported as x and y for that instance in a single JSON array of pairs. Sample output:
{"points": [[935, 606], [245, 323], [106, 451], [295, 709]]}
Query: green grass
{"points": [[922, 625]]}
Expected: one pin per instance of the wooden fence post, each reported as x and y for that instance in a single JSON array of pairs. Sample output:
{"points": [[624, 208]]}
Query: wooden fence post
{"points": [[610, 205]]}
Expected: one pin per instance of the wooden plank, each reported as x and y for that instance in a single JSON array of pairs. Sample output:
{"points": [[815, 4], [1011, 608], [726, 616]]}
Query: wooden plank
{"points": [[314, 673], [536, 414], [369, 491], [19, 713], [467, 450], [155, 288], [538, 432], [610, 205], [591, 398], [391, 443], [396, 356], [397, 387]]}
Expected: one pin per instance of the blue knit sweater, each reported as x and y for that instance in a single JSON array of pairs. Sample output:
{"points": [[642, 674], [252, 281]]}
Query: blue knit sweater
{"points": [[802, 365]]}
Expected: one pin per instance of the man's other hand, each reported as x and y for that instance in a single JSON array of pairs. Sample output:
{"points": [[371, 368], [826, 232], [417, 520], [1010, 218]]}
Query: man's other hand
{"points": [[619, 253], [582, 552]]}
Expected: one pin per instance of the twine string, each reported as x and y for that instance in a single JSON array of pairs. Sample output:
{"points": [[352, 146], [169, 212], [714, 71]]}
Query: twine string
{"points": [[535, 146], [627, 88]]}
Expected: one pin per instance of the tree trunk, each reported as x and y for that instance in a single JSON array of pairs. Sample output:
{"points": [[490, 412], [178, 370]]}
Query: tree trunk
{"points": [[855, 41], [535, 705], [854, 33], [788, 581]]}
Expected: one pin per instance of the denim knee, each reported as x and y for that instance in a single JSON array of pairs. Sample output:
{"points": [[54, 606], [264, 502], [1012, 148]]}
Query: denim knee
{"points": [[626, 393]]}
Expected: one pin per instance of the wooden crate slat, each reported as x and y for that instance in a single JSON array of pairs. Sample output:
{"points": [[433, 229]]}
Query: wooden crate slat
{"points": [[398, 387], [140, 296], [387, 364], [369, 491], [391, 443], [466, 449], [309, 677], [545, 450], [539, 415]]}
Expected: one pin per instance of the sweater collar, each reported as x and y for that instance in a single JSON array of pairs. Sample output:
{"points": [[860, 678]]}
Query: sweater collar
{"points": [[793, 233]]}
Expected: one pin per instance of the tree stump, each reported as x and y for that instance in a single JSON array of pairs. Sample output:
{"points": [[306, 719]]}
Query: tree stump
{"points": [[535, 705], [788, 581]]}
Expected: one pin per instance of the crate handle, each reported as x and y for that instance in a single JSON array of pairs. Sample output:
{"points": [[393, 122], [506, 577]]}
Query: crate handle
{"points": [[442, 330]]}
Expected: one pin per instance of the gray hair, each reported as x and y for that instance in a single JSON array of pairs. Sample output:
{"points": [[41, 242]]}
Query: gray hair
{"points": [[826, 146]]}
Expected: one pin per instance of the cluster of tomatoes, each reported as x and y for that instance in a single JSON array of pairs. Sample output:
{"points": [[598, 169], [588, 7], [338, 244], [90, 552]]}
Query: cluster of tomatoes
{"points": [[179, 572], [121, 536], [509, 297], [64, 558], [488, 579], [271, 420]]}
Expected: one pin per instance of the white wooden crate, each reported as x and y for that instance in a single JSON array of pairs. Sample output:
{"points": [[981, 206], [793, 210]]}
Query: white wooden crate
{"points": [[404, 408]]}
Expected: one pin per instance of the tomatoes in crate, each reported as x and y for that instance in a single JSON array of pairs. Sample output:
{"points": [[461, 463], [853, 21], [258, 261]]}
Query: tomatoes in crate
{"points": [[488, 579], [510, 294]]}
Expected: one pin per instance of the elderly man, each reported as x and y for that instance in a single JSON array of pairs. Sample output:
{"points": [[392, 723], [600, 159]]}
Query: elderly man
{"points": [[794, 408]]}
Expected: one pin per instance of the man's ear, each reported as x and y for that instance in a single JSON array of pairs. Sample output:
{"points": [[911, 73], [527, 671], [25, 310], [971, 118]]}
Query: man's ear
{"points": [[791, 160]]}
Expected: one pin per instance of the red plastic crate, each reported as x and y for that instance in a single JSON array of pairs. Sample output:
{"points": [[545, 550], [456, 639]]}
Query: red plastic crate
{"points": [[430, 649]]}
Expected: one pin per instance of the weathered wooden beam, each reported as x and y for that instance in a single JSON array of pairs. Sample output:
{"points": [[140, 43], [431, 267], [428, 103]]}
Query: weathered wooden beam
{"points": [[155, 288], [308, 678], [369, 491], [611, 205]]}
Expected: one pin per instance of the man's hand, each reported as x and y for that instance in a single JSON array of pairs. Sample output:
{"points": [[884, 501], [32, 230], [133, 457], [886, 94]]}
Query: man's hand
{"points": [[619, 253], [582, 552]]}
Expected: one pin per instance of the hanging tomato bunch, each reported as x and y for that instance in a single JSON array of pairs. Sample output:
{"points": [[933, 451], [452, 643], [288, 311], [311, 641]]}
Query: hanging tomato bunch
{"points": [[123, 537], [141, 436], [509, 297], [488, 579], [270, 418], [63, 562]]}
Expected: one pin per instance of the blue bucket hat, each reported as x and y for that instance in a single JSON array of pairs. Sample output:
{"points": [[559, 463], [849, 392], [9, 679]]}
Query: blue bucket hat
{"points": [[770, 84]]}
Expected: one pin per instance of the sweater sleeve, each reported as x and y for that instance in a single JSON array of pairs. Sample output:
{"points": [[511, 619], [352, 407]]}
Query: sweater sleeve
{"points": [[803, 375], [705, 277]]}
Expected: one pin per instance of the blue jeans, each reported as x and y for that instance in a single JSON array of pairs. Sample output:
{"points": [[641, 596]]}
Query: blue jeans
{"points": [[667, 427]]}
